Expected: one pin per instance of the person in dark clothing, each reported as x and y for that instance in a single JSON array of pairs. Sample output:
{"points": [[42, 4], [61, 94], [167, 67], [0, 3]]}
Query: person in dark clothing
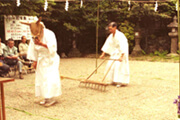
{"points": [[4, 68]]}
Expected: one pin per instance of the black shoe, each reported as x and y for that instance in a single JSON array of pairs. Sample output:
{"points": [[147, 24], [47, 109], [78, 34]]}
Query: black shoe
{"points": [[1, 75], [21, 76]]}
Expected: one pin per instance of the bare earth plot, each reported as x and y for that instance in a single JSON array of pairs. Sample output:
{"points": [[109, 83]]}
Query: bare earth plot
{"points": [[153, 87]]}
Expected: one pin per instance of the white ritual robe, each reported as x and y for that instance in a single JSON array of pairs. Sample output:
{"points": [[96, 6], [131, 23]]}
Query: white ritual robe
{"points": [[47, 80], [115, 46]]}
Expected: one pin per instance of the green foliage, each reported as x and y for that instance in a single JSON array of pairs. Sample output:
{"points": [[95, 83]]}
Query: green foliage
{"points": [[161, 54], [168, 8], [82, 21], [143, 52], [71, 27], [178, 51], [151, 54], [152, 36], [175, 58], [128, 29]]}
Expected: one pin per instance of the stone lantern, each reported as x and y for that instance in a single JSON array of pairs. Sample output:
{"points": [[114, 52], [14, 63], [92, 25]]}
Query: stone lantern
{"points": [[174, 36], [74, 52], [137, 49]]}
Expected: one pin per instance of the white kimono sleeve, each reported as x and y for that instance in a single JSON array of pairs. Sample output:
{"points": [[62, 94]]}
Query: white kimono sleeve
{"points": [[51, 41], [107, 47], [123, 43], [31, 53]]}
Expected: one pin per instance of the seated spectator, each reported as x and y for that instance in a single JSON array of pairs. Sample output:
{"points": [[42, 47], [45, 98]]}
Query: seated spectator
{"points": [[2, 46], [23, 48], [11, 56], [4, 68]]}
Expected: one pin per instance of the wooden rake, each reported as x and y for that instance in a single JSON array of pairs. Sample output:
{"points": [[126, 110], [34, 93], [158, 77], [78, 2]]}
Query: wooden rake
{"points": [[98, 85]]}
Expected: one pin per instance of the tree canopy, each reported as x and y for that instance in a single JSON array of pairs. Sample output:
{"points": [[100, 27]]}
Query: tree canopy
{"points": [[80, 23]]}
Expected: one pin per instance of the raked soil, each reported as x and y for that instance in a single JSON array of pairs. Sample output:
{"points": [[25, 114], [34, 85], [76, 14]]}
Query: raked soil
{"points": [[149, 96]]}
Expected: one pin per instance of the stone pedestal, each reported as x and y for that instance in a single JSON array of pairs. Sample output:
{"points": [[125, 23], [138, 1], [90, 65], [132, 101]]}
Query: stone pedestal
{"points": [[174, 46], [174, 43], [74, 52], [174, 37], [137, 51]]}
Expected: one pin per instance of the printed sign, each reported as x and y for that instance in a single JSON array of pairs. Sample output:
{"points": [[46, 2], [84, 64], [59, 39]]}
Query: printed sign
{"points": [[14, 29]]}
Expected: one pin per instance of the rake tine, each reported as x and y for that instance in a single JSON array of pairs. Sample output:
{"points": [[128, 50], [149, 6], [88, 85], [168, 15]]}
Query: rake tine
{"points": [[80, 84], [104, 88], [94, 85], [85, 84], [100, 87], [91, 85]]}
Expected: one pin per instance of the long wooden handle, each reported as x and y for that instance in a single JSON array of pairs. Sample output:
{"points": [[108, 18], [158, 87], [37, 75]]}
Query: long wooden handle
{"points": [[108, 71], [100, 65], [64, 77], [70, 78], [113, 59], [96, 69]]}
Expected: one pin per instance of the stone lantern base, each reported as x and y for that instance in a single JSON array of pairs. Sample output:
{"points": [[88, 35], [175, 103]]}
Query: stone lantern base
{"points": [[74, 52], [136, 53], [172, 55]]}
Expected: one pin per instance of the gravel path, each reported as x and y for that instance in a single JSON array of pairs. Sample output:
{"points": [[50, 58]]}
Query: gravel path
{"points": [[153, 87]]}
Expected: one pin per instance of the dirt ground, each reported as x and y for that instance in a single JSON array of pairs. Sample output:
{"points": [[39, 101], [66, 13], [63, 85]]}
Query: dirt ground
{"points": [[149, 96]]}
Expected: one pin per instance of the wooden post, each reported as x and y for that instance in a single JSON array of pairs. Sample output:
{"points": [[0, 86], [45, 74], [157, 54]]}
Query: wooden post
{"points": [[97, 27], [178, 22], [3, 102], [178, 36]]}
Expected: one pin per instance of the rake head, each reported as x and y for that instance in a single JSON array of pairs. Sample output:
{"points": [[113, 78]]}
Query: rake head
{"points": [[89, 83], [93, 85]]}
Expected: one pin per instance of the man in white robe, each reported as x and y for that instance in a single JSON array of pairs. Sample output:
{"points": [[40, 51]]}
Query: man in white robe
{"points": [[116, 45], [43, 51]]}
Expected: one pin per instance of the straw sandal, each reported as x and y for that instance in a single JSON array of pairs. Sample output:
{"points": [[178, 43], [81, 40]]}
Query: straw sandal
{"points": [[49, 103]]}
